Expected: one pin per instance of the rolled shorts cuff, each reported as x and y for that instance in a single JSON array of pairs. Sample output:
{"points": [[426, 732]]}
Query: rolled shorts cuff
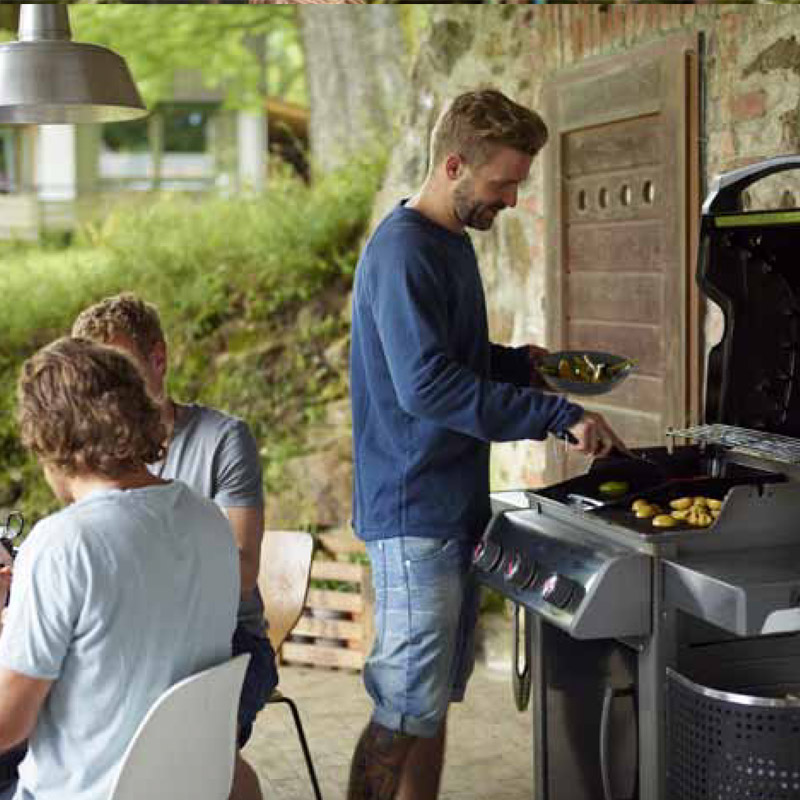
{"points": [[423, 729]]}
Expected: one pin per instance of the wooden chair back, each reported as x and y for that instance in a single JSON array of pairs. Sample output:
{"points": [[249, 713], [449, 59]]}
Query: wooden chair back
{"points": [[283, 580]]}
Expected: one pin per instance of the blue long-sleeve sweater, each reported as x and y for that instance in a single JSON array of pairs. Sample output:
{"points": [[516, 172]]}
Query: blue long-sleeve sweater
{"points": [[429, 391]]}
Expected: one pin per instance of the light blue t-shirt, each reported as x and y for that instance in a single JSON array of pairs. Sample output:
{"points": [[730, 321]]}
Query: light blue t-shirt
{"points": [[115, 598]]}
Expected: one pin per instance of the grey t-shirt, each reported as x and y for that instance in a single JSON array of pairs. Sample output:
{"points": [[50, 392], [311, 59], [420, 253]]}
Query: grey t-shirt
{"points": [[115, 599], [217, 456]]}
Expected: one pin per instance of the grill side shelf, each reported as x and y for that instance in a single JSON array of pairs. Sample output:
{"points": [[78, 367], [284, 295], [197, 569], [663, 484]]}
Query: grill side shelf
{"points": [[746, 593]]}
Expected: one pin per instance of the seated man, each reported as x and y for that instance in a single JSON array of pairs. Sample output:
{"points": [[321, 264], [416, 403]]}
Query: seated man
{"points": [[105, 612], [217, 456]]}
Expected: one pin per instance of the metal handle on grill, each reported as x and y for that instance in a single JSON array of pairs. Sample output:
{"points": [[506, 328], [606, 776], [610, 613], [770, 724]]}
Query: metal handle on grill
{"points": [[727, 188], [521, 679], [610, 695]]}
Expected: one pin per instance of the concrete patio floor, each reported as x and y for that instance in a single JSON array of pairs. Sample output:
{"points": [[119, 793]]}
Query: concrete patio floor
{"points": [[489, 747]]}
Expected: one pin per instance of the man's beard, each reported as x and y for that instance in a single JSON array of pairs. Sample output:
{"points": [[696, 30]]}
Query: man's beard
{"points": [[471, 213]]}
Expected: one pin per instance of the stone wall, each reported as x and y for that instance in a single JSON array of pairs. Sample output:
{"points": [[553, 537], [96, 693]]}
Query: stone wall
{"points": [[751, 111]]}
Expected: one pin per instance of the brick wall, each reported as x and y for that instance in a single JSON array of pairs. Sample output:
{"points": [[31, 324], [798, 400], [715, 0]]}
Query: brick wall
{"points": [[752, 111]]}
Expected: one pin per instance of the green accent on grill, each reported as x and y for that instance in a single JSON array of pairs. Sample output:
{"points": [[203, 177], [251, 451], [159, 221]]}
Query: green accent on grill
{"points": [[763, 220]]}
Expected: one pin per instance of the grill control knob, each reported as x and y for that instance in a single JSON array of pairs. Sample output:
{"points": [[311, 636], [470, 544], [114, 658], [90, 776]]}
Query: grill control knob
{"points": [[487, 555], [558, 590], [519, 571]]}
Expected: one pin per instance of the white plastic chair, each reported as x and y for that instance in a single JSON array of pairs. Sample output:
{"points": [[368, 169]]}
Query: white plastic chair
{"points": [[185, 745]]}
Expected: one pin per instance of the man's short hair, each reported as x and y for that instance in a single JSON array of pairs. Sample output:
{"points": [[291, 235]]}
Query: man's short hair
{"points": [[84, 409], [124, 314], [477, 122]]}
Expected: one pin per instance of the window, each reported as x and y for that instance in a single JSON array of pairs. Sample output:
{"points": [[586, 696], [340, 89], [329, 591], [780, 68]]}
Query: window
{"points": [[126, 137], [186, 126], [185, 130]]}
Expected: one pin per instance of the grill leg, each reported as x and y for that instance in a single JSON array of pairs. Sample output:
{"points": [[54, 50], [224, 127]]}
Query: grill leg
{"points": [[657, 655]]}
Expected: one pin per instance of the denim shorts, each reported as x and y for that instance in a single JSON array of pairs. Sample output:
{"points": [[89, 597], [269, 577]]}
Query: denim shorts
{"points": [[260, 679], [426, 607]]}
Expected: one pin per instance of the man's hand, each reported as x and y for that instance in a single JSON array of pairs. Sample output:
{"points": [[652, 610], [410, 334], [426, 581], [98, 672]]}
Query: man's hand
{"points": [[535, 356], [593, 435]]}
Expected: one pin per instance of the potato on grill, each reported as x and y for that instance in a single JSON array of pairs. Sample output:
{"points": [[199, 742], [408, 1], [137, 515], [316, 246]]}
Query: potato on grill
{"points": [[647, 511], [682, 503], [664, 521], [699, 518], [699, 512]]}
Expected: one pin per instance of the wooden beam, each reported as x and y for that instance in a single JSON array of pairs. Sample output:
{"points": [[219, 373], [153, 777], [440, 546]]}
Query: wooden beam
{"points": [[336, 571], [322, 656], [336, 601], [329, 628]]}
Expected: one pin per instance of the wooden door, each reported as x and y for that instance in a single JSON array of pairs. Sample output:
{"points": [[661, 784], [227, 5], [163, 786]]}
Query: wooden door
{"points": [[622, 191]]}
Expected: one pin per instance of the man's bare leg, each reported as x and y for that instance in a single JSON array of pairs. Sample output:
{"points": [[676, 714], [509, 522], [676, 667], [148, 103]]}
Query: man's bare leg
{"points": [[394, 766], [378, 763], [245, 781], [422, 772]]}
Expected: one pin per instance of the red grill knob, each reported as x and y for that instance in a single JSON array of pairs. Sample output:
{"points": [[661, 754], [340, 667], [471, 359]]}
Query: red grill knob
{"points": [[487, 555], [558, 590], [519, 571]]}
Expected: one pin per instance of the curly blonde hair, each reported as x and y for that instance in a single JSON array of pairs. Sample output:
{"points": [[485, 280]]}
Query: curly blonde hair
{"points": [[125, 314], [476, 122], [84, 409]]}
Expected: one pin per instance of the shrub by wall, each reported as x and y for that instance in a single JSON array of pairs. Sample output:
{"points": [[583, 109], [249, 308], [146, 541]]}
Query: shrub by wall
{"points": [[252, 291]]}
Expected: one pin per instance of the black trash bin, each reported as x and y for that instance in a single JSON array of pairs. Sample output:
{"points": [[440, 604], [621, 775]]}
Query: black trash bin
{"points": [[725, 746]]}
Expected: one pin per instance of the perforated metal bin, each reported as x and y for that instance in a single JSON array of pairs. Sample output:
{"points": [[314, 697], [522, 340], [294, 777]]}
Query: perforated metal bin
{"points": [[725, 746]]}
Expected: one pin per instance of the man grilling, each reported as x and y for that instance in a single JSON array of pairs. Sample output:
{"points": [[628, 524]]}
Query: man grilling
{"points": [[429, 393]]}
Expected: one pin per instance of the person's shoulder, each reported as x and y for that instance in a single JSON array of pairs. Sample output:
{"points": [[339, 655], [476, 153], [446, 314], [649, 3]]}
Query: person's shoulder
{"points": [[184, 496], [405, 242], [210, 419], [64, 530], [401, 227], [202, 511]]}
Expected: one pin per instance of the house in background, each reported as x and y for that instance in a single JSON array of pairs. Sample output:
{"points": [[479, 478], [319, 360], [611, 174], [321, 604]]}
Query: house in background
{"points": [[54, 176]]}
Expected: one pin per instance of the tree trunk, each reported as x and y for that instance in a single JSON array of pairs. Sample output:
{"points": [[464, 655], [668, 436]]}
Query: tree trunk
{"points": [[357, 65]]}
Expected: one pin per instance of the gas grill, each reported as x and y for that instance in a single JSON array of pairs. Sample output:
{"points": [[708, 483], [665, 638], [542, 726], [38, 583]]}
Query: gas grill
{"points": [[664, 664]]}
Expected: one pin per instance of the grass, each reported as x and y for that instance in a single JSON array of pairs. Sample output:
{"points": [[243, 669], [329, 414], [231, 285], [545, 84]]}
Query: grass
{"points": [[231, 277]]}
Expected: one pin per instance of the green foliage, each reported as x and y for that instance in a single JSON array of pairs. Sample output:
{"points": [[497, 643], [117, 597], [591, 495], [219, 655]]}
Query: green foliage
{"points": [[251, 291], [160, 41]]}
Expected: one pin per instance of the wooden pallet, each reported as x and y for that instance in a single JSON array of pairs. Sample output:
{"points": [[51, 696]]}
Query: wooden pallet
{"points": [[346, 641]]}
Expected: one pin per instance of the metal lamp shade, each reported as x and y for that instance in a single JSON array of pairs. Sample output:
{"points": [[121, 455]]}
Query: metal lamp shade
{"points": [[45, 78]]}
